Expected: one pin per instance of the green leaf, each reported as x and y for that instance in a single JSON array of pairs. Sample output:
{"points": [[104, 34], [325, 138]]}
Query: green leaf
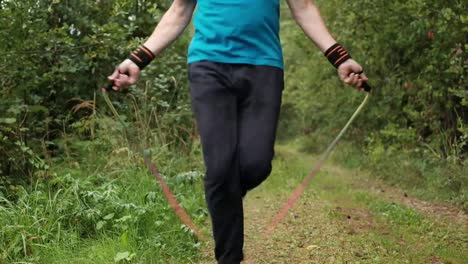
{"points": [[38, 108], [124, 239], [121, 256], [8, 121], [108, 217], [124, 218], [100, 225]]}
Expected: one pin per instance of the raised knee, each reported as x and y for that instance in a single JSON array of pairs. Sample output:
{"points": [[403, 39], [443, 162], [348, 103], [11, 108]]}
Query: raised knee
{"points": [[256, 171]]}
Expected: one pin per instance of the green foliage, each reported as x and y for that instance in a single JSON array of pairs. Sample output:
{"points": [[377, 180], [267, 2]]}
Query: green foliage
{"points": [[56, 54], [84, 205], [68, 181], [415, 55]]}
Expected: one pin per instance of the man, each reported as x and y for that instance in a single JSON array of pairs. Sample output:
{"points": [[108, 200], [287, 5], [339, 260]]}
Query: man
{"points": [[236, 78]]}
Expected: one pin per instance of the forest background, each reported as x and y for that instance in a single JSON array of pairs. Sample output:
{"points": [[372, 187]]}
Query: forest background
{"points": [[67, 174]]}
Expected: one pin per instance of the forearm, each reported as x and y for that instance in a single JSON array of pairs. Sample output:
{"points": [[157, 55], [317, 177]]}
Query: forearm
{"points": [[171, 26], [308, 17]]}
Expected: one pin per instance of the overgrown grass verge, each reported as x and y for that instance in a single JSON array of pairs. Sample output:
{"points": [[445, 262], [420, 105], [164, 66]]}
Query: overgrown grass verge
{"points": [[102, 205], [430, 179]]}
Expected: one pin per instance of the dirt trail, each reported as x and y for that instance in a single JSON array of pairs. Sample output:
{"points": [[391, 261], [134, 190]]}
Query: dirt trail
{"points": [[327, 225], [363, 181]]}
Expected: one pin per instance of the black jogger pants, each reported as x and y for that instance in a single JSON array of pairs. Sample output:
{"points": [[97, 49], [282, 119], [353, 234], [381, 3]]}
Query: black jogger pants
{"points": [[236, 107]]}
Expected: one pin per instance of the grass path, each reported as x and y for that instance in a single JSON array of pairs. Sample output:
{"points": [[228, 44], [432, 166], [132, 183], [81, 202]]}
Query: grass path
{"points": [[346, 217]]}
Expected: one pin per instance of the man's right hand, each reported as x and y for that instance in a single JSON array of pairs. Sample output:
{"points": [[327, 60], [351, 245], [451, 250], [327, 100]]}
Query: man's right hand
{"points": [[125, 75]]}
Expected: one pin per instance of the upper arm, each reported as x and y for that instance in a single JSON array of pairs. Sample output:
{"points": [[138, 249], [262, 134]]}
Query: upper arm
{"points": [[184, 2], [184, 7], [299, 5]]}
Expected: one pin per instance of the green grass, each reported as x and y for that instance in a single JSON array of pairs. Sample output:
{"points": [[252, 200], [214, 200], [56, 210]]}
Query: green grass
{"points": [[428, 179], [103, 207], [443, 239], [348, 222]]}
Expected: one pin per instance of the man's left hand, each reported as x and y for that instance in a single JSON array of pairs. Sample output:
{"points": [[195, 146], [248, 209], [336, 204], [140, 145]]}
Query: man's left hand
{"points": [[351, 73]]}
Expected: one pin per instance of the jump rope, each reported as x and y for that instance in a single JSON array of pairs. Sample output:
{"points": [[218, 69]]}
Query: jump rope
{"points": [[279, 217]]}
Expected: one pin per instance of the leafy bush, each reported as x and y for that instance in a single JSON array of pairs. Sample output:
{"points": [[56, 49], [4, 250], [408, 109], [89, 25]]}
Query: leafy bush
{"points": [[56, 54], [415, 55], [413, 52], [63, 157]]}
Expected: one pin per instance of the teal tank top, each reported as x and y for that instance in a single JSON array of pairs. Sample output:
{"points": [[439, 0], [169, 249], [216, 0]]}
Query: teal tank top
{"points": [[237, 31]]}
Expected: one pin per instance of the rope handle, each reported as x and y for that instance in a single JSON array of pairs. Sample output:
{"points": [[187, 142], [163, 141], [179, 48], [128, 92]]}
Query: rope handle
{"points": [[109, 86], [365, 86]]}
